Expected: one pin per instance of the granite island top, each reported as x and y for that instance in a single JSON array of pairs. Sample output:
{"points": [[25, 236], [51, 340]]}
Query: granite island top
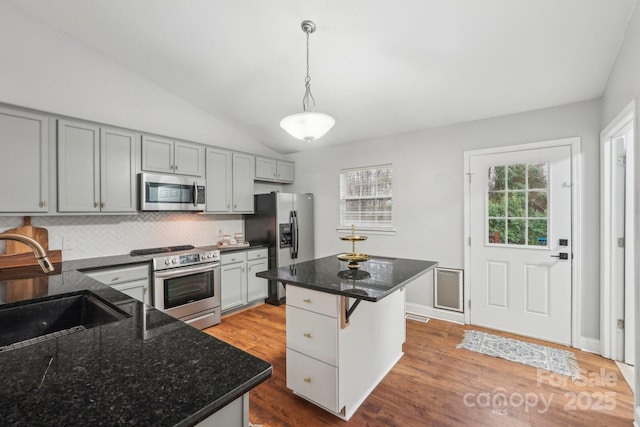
{"points": [[374, 280], [148, 369]]}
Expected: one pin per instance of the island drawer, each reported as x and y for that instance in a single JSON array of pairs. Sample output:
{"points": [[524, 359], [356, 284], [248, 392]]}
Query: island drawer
{"points": [[313, 334], [233, 257], [256, 254], [116, 275], [318, 302], [313, 379]]}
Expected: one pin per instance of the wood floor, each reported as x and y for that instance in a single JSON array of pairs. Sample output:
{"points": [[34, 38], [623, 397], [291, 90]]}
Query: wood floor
{"points": [[436, 384]]}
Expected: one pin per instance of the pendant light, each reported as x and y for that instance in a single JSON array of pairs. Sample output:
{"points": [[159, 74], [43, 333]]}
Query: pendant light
{"points": [[308, 125]]}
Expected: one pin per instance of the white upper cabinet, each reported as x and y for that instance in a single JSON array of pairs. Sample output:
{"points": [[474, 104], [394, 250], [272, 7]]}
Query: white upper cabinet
{"points": [[219, 181], [229, 181], [117, 170], [285, 171], [166, 155], [243, 173], [24, 162], [265, 169], [96, 168], [274, 170]]}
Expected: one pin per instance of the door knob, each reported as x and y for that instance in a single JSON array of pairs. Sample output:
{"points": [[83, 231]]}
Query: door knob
{"points": [[561, 255]]}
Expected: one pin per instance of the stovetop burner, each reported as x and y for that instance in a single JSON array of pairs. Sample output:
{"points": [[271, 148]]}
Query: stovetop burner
{"points": [[151, 251]]}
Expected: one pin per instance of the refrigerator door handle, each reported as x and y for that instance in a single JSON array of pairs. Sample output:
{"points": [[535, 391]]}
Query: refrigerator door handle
{"points": [[297, 234], [294, 232]]}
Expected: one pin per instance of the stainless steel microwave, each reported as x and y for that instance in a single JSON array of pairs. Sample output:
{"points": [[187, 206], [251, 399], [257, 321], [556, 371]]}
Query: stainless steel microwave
{"points": [[170, 193]]}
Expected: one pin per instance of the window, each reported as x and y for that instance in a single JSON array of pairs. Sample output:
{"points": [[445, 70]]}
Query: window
{"points": [[365, 197], [517, 204]]}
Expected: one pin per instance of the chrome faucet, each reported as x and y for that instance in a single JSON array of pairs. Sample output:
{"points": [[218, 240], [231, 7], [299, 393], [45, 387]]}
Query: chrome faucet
{"points": [[38, 250]]}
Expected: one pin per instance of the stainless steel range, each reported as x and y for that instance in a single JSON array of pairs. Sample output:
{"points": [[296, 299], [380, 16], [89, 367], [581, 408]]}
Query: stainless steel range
{"points": [[186, 283]]}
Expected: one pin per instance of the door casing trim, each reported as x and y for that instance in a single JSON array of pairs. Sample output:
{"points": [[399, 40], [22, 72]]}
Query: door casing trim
{"points": [[576, 223]]}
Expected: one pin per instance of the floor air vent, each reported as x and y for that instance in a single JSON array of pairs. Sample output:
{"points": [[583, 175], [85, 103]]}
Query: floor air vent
{"points": [[416, 317]]}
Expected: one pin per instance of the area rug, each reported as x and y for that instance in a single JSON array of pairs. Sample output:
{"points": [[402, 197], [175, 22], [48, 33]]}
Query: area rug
{"points": [[539, 356]]}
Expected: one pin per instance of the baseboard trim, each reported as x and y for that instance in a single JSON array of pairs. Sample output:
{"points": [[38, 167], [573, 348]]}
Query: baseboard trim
{"points": [[434, 313], [590, 345]]}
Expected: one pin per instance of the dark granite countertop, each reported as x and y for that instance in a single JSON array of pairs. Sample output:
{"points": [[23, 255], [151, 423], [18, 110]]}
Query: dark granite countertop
{"points": [[376, 278], [148, 369]]}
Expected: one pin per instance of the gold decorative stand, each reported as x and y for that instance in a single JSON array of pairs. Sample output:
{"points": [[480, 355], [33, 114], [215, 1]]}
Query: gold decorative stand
{"points": [[353, 258]]}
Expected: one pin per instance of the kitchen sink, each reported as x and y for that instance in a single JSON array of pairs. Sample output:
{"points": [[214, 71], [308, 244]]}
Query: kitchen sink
{"points": [[37, 321]]}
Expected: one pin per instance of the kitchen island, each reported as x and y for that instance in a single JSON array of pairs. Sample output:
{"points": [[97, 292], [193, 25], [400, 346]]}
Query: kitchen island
{"points": [[146, 369], [345, 328]]}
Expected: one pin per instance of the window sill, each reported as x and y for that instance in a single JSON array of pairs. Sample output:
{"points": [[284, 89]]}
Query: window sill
{"points": [[384, 231]]}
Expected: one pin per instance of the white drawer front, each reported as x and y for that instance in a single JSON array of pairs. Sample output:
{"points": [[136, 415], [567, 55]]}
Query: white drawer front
{"points": [[313, 334], [313, 379], [318, 302], [256, 254], [233, 257], [113, 276]]}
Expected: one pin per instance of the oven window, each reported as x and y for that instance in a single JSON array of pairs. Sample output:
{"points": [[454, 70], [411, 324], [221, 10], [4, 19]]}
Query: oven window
{"points": [[186, 289]]}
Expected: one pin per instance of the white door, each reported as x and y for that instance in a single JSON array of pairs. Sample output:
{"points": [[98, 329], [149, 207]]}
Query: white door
{"points": [[520, 242]]}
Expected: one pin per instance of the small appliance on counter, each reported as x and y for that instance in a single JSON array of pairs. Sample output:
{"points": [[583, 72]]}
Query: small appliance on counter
{"points": [[284, 223], [237, 241], [186, 283]]}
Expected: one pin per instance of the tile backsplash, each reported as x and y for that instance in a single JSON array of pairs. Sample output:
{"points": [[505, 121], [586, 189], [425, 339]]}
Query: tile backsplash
{"points": [[93, 236]]}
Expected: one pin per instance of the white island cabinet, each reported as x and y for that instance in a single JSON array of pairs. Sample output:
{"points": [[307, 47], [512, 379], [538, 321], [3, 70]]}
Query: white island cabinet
{"points": [[336, 364]]}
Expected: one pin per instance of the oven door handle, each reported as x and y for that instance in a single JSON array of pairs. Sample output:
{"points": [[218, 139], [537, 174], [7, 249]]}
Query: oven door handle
{"points": [[176, 272]]}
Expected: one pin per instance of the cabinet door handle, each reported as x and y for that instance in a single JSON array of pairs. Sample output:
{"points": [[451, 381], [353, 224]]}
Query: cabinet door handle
{"points": [[307, 300], [115, 279], [96, 204], [307, 335], [43, 204], [102, 205], [307, 380]]}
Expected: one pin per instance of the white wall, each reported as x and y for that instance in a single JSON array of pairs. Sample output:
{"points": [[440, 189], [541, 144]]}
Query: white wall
{"points": [[428, 189], [47, 70]]}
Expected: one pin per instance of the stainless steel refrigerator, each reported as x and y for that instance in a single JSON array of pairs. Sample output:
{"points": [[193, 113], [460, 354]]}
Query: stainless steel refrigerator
{"points": [[284, 222]]}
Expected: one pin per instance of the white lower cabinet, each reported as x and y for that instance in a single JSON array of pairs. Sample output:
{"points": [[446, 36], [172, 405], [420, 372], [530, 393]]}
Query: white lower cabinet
{"points": [[131, 280], [334, 363], [233, 278], [240, 286], [313, 379], [257, 287]]}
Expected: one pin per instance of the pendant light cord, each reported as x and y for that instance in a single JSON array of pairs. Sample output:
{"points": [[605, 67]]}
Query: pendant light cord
{"points": [[307, 84]]}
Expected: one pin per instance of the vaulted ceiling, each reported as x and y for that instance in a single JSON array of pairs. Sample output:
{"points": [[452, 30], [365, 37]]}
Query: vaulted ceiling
{"points": [[379, 67]]}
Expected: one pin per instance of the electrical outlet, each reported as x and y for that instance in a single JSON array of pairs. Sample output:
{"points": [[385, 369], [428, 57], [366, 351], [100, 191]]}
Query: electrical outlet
{"points": [[67, 243]]}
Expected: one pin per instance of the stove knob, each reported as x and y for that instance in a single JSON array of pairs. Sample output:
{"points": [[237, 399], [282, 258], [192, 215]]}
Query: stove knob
{"points": [[204, 256], [174, 260], [166, 261]]}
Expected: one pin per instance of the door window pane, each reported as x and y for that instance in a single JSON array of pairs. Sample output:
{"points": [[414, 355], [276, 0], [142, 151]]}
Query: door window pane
{"points": [[517, 177], [517, 204], [496, 178], [538, 204], [538, 232], [537, 176], [496, 230], [496, 204], [516, 229]]}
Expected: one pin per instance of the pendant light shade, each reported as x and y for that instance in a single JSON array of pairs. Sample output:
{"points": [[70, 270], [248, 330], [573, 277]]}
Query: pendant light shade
{"points": [[308, 125]]}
